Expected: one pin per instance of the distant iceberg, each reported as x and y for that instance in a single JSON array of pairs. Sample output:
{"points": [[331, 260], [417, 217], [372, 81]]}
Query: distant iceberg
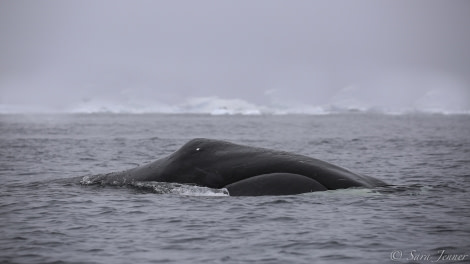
{"points": [[219, 106], [214, 105]]}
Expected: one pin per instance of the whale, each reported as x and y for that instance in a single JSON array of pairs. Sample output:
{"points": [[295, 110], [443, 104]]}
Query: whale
{"points": [[242, 170]]}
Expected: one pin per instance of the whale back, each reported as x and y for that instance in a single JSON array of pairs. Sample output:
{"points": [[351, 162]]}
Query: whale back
{"points": [[216, 163]]}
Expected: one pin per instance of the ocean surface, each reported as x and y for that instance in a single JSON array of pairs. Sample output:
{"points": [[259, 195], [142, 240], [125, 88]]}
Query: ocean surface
{"points": [[48, 216]]}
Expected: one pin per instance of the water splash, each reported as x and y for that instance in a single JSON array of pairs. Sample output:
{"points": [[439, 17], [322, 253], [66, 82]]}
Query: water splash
{"points": [[179, 189]]}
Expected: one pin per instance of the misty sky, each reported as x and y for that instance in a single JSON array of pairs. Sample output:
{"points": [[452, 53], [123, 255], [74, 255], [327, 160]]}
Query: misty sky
{"points": [[380, 53]]}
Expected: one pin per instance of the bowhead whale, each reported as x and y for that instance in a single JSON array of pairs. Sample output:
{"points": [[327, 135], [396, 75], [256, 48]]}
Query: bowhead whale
{"points": [[242, 170]]}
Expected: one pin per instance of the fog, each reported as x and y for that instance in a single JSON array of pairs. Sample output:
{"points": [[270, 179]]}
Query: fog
{"points": [[392, 55]]}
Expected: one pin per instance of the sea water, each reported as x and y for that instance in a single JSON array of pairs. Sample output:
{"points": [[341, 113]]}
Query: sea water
{"points": [[48, 216]]}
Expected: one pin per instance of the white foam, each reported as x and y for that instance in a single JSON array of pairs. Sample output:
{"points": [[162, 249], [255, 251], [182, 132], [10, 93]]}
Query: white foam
{"points": [[181, 189], [86, 180]]}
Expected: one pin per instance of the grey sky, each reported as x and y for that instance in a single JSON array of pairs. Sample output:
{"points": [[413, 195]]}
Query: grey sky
{"points": [[58, 53]]}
